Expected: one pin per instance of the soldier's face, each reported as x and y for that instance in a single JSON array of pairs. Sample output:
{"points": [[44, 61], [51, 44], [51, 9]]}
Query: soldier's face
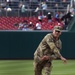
{"points": [[56, 33]]}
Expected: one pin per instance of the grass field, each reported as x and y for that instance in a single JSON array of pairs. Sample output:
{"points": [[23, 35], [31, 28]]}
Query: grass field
{"points": [[25, 67]]}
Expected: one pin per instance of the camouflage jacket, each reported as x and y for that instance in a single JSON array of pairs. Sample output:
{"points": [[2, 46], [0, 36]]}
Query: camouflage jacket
{"points": [[48, 46]]}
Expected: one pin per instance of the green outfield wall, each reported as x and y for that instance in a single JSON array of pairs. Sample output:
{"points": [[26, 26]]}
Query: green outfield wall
{"points": [[21, 45]]}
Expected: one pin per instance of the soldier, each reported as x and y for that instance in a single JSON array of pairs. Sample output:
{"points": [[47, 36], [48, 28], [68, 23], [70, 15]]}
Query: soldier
{"points": [[48, 50]]}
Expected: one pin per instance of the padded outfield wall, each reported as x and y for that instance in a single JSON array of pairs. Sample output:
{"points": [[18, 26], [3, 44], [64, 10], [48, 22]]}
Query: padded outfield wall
{"points": [[21, 45]]}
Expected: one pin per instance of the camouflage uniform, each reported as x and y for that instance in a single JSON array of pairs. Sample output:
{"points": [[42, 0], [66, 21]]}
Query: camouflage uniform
{"points": [[49, 46]]}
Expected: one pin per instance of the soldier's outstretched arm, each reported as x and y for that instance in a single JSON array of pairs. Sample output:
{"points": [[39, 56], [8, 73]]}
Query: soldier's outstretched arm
{"points": [[55, 50], [63, 59]]}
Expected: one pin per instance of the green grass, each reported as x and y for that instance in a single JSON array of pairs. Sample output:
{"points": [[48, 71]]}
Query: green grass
{"points": [[25, 67]]}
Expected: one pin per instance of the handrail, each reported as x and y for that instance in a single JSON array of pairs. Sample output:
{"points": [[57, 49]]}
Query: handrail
{"points": [[70, 25]]}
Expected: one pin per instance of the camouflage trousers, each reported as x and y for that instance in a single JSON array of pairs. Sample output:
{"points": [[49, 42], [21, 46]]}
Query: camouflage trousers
{"points": [[45, 66]]}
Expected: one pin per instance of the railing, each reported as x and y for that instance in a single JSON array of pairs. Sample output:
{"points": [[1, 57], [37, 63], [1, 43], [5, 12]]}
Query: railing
{"points": [[31, 6], [28, 12]]}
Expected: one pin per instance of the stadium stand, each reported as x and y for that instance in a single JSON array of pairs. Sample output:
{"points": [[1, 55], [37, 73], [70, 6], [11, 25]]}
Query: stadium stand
{"points": [[8, 17]]}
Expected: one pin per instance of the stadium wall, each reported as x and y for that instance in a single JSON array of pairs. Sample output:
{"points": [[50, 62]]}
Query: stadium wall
{"points": [[21, 45]]}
